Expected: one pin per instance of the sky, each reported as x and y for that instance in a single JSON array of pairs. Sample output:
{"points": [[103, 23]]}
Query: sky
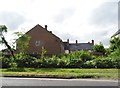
{"points": [[82, 20]]}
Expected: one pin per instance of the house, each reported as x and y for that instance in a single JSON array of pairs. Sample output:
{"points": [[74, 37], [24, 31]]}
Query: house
{"points": [[117, 34], [41, 37], [71, 47]]}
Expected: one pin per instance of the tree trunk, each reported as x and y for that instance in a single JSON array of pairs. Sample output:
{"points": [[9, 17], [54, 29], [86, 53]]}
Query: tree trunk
{"points": [[9, 48]]}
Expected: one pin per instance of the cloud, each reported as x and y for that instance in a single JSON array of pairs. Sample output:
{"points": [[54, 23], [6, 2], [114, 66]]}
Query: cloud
{"points": [[106, 41], [11, 19], [64, 14], [105, 15]]}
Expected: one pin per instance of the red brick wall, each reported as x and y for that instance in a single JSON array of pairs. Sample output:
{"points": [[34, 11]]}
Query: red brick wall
{"points": [[47, 40]]}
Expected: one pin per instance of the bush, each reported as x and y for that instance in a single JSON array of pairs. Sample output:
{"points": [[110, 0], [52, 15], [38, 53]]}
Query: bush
{"points": [[89, 64], [74, 63], [103, 62], [5, 62], [115, 56], [62, 63], [25, 61], [79, 59]]}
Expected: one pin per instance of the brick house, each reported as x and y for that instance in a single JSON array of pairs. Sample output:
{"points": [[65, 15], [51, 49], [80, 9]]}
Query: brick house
{"points": [[41, 37]]}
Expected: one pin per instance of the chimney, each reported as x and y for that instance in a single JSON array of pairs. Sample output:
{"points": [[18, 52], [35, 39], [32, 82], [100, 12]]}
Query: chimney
{"points": [[50, 31], [76, 41], [46, 27], [93, 42], [67, 40]]}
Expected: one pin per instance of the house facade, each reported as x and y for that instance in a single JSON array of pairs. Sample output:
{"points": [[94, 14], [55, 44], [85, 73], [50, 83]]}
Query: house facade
{"points": [[41, 37]]}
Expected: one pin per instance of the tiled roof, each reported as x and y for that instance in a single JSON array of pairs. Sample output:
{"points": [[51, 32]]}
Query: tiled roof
{"points": [[81, 46], [118, 32], [66, 45]]}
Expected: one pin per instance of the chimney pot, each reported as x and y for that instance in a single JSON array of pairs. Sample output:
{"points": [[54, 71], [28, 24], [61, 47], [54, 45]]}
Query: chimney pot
{"points": [[93, 42], [46, 27], [50, 31], [67, 40], [76, 41]]}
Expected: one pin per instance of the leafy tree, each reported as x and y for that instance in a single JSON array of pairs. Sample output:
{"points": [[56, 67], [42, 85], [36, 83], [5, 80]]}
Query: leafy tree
{"points": [[99, 48], [114, 44], [22, 42], [3, 29]]}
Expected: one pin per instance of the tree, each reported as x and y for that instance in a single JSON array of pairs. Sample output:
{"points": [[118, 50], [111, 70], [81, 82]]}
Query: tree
{"points": [[99, 48], [22, 42], [3, 29], [114, 44]]}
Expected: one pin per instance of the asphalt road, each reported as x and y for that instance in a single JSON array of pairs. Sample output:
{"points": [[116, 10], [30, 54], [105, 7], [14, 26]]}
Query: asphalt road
{"points": [[56, 82]]}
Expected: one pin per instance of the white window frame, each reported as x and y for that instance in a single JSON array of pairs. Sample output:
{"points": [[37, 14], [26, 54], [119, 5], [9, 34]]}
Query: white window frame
{"points": [[37, 43]]}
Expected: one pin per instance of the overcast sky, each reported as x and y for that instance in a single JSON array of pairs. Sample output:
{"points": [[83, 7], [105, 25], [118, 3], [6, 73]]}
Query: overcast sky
{"points": [[82, 20]]}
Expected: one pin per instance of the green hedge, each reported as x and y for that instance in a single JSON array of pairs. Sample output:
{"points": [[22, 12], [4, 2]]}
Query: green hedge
{"points": [[79, 59]]}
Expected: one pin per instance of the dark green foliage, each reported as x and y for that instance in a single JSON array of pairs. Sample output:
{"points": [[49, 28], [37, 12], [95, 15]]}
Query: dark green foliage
{"points": [[5, 62]]}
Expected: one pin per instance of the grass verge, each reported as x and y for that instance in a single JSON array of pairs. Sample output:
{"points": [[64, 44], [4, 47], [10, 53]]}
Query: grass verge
{"points": [[61, 73]]}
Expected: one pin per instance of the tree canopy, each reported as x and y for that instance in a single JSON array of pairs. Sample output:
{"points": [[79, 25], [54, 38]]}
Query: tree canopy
{"points": [[114, 44], [22, 42], [99, 48]]}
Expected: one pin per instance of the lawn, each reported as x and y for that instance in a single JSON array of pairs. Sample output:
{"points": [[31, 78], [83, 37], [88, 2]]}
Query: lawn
{"points": [[111, 74]]}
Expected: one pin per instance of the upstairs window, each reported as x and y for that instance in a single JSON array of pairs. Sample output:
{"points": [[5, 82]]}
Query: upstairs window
{"points": [[37, 43]]}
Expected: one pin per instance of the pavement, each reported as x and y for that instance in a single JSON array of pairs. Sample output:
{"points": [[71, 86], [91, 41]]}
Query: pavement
{"points": [[11, 81]]}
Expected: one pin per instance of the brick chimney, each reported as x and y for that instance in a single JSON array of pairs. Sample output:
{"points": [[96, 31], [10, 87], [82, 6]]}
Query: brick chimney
{"points": [[93, 42], [46, 27]]}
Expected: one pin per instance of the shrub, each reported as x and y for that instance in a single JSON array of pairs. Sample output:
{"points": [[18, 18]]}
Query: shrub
{"points": [[26, 61], [115, 56], [74, 63], [62, 62], [5, 62], [103, 62], [89, 64]]}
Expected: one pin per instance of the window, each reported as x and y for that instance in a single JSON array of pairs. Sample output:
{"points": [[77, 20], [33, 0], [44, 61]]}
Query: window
{"points": [[37, 43], [33, 53]]}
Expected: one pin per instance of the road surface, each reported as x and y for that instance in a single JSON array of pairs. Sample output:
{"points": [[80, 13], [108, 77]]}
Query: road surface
{"points": [[9, 81]]}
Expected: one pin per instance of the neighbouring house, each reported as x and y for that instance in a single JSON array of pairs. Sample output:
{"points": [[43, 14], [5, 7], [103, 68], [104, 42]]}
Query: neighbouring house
{"points": [[41, 37], [71, 47], [117, 34]]}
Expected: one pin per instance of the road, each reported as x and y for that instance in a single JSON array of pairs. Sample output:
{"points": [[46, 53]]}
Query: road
{"points": [[6, 81]]}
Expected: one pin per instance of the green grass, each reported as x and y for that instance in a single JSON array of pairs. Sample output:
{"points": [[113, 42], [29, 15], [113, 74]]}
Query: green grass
{"points": [[62, 73]]}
